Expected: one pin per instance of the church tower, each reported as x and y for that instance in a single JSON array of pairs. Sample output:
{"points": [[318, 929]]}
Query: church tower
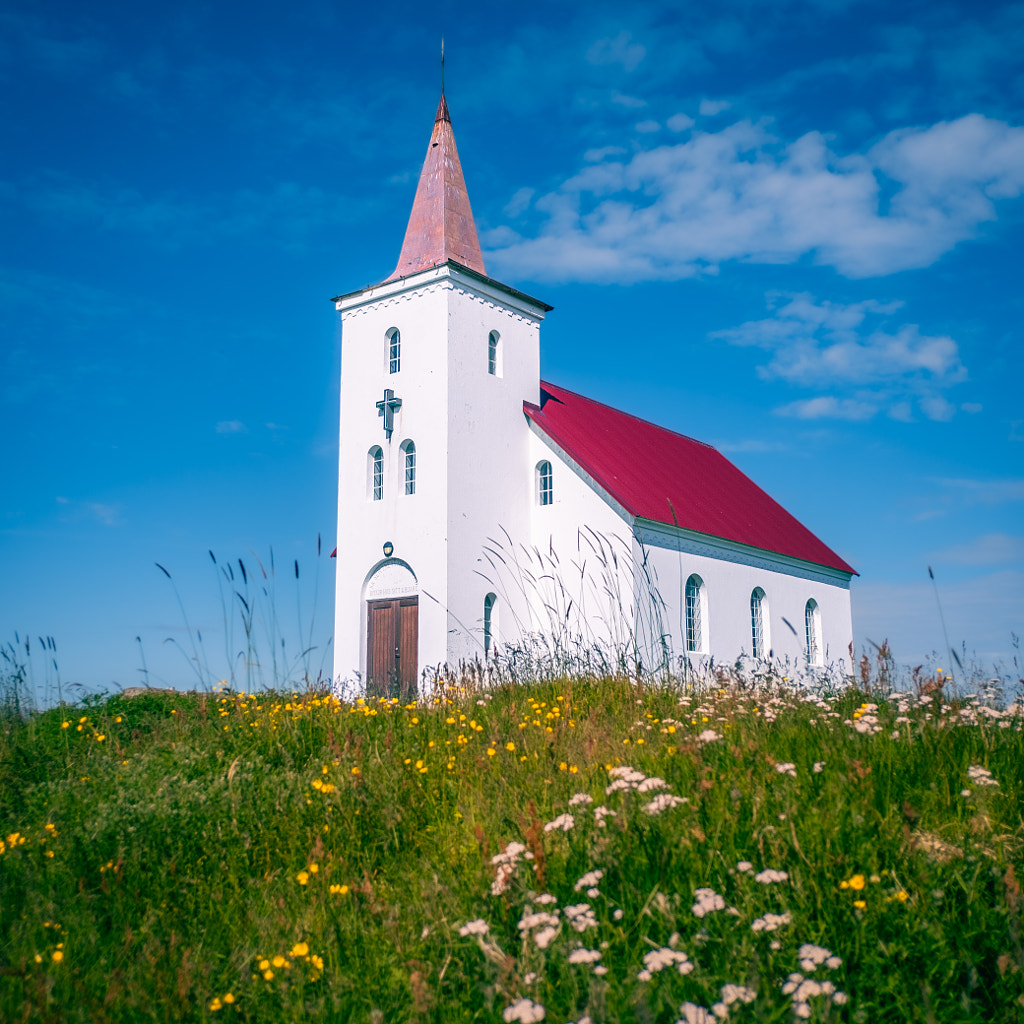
{"points": [[437, 362]]}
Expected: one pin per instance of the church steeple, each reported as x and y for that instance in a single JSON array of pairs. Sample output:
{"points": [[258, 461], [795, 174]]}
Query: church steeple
{"points": [[441, 224]]}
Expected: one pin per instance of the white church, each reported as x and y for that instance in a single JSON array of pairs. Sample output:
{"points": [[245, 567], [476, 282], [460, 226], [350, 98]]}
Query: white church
{"points": [[482, 510]]}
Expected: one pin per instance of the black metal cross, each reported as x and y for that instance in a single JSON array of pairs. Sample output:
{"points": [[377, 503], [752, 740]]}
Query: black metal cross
{"points": [[387, 408]]}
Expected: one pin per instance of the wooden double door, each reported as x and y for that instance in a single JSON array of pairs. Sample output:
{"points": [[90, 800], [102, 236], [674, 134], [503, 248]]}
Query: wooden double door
{"points": [[392, 636]]}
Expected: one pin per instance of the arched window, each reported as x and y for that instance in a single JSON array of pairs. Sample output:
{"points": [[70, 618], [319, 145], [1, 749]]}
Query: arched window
{"points": [[545, 491], [812, 628], [758, 623], [695, 614], [494, 354], [394, 350], [375, 473], [409, 451], [490, 624]]}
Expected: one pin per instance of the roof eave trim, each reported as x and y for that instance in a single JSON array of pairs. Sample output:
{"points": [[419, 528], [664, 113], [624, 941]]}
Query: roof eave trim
{"points": [[463, 269], [802, 565]]}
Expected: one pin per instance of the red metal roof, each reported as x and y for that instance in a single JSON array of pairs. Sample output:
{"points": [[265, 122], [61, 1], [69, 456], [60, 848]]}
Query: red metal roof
{"points": [[665, 477], [441, 224]]}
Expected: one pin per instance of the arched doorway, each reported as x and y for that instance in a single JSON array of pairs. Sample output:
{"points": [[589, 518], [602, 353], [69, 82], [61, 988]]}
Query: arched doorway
{"points": [[392, 630]]}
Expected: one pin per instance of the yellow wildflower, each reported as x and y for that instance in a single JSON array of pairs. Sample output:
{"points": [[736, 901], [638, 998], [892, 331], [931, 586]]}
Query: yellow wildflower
{"points": [[215, 1003], [228, 998], [857, 882], [860, 904], [302, 877], [58, 956], [300, 949]]}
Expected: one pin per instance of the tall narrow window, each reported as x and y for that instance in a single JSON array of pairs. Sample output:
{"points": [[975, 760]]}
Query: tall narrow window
{"points": [[545, 491], [694, 614], [494, 354], [375, 474], [758, 633], [490, 624], [812, 626], [394, 350], [409, 451]]}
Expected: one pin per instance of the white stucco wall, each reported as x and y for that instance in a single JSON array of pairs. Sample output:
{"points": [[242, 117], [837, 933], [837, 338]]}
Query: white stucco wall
{"points": [[730, 573], [470, 437]]}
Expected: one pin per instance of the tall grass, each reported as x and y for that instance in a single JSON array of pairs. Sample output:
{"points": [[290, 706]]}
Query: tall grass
{"points": [[285, 856], [260, 649]]}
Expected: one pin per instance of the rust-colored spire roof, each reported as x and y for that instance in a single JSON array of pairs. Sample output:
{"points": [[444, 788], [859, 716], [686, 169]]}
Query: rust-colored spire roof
{"points": [[441, 224]]}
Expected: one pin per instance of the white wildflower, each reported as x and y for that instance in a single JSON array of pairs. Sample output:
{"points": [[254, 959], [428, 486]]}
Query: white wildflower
{"points": [[602, 812], [563, 822], [737, 994], [617, 914], [477, 927], [709, 736], [819, 766], [584, 956], [526, 1011], [812, 956], [545, 937], [545, 899], [658, 959], [600, 970], [580, 798], [745, 866], [530, 978], [540, 919], [981, 776], [580, 916], [786, 768], [707, 901], [694, 1014], [651, 784], [590, 879], [770, 922], [662, 802], [770, 875]]}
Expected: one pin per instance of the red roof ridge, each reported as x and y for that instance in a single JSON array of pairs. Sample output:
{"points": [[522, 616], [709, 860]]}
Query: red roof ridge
{"points": [[441, 226], [620, 412]]}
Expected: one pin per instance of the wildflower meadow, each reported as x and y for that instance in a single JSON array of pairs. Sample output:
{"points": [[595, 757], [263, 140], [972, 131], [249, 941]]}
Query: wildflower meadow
{"points": [[575, 850]]}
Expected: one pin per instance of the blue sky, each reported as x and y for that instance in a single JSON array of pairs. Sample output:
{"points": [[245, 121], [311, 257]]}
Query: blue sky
{"points": [[793, 230]]}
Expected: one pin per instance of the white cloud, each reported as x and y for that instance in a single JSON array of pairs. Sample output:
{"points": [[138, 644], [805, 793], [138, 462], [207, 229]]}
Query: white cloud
{"points": [[232, 427], [828, 407], [985, 492], [830, 345], [679, 123], [630, 102], [519, 202], [972, 407], [709, 108], [648, 127], [593, 156], [741, 194], [108, 515], [989, 549], [619, 50]]}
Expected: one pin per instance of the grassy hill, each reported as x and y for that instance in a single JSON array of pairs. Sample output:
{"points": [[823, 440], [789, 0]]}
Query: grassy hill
{"points": [[580, 849]]}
